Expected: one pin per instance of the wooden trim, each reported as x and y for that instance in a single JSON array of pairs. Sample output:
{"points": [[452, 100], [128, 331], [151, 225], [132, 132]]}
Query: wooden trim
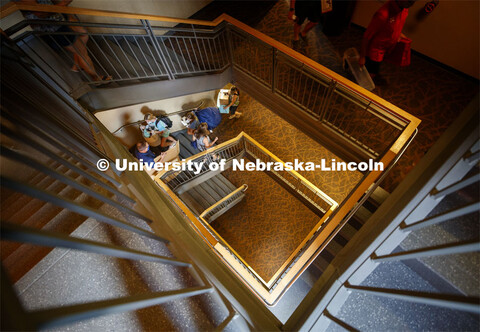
{"points": [[198, 225], [12, 7], [222, 200], [317, 67]]}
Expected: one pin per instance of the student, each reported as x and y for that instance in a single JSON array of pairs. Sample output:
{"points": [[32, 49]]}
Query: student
{"points": [[152, 126], [233, 102], [75, 44], [382, 34], [193, 122], [201, 137], [145, 154]]}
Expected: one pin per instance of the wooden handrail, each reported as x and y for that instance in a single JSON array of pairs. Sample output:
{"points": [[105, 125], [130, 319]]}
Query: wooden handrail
{"points": [[12, 7], [413, 121]]}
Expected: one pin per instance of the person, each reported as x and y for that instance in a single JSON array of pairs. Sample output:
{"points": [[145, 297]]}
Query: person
{"points": [[382, 34], [303, 9], [145, 154], [233, 102], [210, 115], [72, 43], [201, 137], [193, 122], [152, 126]]}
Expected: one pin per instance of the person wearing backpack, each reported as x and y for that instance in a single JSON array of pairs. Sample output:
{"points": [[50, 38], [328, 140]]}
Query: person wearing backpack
{"points": [[158, 126]]}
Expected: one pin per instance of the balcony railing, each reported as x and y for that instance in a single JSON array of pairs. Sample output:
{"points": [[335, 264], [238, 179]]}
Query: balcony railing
{"points": [[141, 49], [244, 146]]}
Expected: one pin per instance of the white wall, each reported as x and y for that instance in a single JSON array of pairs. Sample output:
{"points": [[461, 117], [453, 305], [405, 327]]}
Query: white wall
{"points": [[450, 34], [170, 8], [115, 118]]}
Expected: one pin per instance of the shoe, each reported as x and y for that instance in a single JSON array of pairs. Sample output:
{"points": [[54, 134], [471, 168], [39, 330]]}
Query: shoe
{"points": [[232, 117], [238, 114]]}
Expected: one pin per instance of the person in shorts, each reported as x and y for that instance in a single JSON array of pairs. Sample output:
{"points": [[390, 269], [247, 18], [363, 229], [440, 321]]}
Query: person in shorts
{"points": [[302, 10]]}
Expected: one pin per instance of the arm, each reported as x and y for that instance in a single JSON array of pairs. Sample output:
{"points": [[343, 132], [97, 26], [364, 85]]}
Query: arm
{"points": [[291, 12], [234, 99], [164, 142], [207, 144]]}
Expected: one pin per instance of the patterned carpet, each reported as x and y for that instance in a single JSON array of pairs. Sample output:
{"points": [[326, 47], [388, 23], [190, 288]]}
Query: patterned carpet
{"points": [[270, 223], [424, 89], [264, 236], [430, 92]]}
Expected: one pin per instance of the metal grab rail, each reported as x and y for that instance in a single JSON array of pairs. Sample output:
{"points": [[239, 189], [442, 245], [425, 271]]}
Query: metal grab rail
{"points": [[446, 168], [238, 147], [223, 203], [33, 127], [226, 151]]}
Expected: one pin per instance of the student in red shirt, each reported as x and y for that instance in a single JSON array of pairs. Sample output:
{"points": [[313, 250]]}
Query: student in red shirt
{"points": [[383, 33]]}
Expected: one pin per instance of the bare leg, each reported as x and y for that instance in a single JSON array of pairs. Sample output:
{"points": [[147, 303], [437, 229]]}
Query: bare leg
{"points": [[80, 54], [296, 31]]}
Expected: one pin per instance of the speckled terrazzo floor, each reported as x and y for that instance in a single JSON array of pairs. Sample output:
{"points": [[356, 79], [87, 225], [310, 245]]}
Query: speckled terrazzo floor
{"points": [[434, 94]]}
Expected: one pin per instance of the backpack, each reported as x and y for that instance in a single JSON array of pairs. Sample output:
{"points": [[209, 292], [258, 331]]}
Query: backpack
{"points": [[210, 115], [166, 120]]}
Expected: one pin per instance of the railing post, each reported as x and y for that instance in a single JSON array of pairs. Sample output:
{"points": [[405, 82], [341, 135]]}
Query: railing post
{"points": [[326, 101], [155, 44], [274, 68], [230, 44]]}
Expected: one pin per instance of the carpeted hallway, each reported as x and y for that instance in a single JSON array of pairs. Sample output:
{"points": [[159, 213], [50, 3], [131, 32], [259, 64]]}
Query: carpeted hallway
{"points": [[431, 92]]}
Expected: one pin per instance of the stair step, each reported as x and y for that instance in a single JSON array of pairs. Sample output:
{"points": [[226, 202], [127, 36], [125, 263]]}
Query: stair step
{"points": [[23, 256], [222, 189], [206, 196], [378, 196], [192, 203], [226, 182], [186, 146], [147, 48], [145, 61], [200, 198], [333, 248], [181, 64], [210, 187], [104, 52], [17, 200], [37, 215]]}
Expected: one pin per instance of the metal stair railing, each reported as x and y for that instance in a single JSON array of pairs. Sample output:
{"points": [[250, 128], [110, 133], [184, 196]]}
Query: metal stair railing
{"points": [[142, 52], [244, 146], [449, 167], [28, 124]]}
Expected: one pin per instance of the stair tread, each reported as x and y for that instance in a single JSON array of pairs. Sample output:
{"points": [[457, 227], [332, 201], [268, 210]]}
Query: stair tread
{"points": [[145, 61], [192, 203], [226, 182], [221, 185], [185, 145], [210, 187], [202, 197]]}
